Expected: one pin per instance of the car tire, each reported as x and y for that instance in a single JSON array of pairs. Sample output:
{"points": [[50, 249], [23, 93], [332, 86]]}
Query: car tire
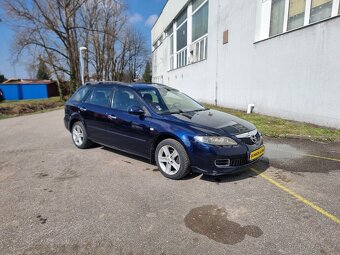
{"points": [[172, 159], [79, 136]]}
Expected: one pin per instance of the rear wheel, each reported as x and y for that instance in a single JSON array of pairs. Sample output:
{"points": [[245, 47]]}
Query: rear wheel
{"points": [[172, 159], [79, 136]]}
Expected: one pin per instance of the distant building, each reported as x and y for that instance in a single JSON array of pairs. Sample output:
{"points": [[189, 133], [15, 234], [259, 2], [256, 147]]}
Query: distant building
{"points": [[281, 55], [28, 89]]}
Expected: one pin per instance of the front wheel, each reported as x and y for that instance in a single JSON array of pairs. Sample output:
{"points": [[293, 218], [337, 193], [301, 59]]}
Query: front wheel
{"points": [[79, 136], [172, 159]]}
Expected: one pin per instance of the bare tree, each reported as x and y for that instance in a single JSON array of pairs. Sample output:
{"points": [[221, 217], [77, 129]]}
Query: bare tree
{"points": [[58, 28]]}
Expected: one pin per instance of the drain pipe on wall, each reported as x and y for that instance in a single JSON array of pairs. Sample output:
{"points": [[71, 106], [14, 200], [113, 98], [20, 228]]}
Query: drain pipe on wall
{"points": [[218, 22]]}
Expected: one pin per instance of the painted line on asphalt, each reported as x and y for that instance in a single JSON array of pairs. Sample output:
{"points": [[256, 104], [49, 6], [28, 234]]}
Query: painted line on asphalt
{"points": [[321, 157], [298, 197], [308, 155]]}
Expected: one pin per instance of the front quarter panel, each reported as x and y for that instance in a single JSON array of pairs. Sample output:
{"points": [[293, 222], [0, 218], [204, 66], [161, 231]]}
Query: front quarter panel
{"points": [[164, 128]]}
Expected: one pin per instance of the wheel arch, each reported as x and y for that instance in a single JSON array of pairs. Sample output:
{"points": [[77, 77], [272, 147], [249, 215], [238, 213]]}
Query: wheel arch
{"points": [[74, 118], [161, 137]]}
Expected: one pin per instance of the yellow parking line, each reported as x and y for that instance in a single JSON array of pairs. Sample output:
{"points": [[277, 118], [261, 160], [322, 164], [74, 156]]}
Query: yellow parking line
{"points": [[309, 155], [320, 157], [298, 197]]}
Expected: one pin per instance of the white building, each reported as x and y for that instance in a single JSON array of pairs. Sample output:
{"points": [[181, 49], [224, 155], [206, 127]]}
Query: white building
{"points": [[281, 55]]}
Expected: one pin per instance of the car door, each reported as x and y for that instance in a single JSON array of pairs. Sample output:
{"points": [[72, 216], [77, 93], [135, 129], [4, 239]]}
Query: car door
{"points": [[94, 111], [131, 133]]}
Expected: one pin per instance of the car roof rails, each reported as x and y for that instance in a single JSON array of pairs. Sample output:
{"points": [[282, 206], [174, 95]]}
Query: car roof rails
{"points": [[107, 82]]}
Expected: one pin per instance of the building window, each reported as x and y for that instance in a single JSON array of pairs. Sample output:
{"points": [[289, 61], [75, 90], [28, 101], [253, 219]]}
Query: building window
{"points": [[296, 14], [287, 15], [182, 39], [172, 57], [170, 33], [321, 9], [200, 19], [187, 48], [198, 50], [169, 30], [196, 4], [277, 17], [200, 22], [157, 43]]}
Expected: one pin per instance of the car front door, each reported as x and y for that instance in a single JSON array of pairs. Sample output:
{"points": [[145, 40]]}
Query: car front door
{"points": [[130, 132]]}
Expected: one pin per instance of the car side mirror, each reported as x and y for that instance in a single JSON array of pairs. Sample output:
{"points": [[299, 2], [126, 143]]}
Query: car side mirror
{"points": [[136, 110]]}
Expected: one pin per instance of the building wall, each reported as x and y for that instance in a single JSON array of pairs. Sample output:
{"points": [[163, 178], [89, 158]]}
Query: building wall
{"points": [[295, 75]]}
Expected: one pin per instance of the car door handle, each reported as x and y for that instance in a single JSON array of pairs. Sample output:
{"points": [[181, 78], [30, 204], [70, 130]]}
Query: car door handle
{"points": [[111, 117], [83, 109]]}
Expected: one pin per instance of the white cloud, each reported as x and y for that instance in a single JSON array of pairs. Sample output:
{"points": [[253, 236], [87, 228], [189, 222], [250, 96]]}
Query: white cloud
{"points": [[151, 20], [135, 18]]}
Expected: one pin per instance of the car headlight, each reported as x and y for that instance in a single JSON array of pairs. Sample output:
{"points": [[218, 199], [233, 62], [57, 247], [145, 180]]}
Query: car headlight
{"points": [[215, 140]]}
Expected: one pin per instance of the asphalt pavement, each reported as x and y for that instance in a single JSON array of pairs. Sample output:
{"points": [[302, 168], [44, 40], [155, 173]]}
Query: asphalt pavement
{"points": [[56, 199]]}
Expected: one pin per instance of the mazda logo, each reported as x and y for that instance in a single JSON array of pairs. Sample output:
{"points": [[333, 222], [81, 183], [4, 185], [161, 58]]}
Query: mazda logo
{"points": [[253, 139]]}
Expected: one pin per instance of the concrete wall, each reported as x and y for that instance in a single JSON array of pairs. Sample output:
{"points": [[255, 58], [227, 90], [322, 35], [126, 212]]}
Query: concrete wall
{"points": [[295, 75]]}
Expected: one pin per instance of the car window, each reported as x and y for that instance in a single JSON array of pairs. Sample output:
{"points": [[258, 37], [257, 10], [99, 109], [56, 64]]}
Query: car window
{"points": [[100, 96], [124, 98], [169, 100], [153, 99], [80, 94]]}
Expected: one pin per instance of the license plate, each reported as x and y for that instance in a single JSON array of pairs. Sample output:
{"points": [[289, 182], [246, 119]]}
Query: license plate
{"points": [[256, 154]]}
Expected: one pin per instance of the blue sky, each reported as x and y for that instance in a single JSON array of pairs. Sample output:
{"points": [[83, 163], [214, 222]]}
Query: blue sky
{"points": [[142, 14]]}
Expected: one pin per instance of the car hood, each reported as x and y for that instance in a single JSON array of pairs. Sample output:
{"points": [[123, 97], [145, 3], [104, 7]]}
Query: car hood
{"points": [[221, 122]]}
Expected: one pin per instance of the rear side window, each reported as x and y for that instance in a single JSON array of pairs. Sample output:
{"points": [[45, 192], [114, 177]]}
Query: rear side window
{"points": [[100, 96], [80, 94]]}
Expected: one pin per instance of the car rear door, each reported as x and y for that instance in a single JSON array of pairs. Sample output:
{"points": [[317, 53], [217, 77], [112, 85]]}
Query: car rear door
{"points": [[94, 111], [130, 133]]}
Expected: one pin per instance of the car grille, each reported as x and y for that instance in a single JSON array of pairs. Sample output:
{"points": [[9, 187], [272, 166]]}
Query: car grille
{"points": [[233, 162], [238, 161], [249, 141]]}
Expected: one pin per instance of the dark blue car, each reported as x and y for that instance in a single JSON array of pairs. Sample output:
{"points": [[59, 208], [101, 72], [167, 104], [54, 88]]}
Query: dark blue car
{"points": [[164, 125]]}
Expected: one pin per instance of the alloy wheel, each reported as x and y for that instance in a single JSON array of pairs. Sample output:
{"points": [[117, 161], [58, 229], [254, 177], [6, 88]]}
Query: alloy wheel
{"points": [[169, 160], [78, 135]]}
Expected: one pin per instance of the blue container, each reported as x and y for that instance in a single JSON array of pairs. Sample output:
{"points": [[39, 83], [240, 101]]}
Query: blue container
{"points": [[26, 91]]}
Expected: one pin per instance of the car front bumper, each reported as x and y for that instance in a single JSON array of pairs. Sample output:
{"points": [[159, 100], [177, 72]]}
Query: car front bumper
{"points": [[204, 158]]}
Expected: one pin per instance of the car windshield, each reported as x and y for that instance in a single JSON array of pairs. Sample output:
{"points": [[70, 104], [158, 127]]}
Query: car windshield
{"points": [[169, 101]]}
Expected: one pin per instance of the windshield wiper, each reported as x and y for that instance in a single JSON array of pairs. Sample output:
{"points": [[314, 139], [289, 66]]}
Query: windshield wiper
{"points": [[198, 110], [181, 112], [177, 112]]}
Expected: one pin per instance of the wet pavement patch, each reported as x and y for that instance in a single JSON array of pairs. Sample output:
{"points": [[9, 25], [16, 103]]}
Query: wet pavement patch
{"points": [[212, 222], [298, 156]]}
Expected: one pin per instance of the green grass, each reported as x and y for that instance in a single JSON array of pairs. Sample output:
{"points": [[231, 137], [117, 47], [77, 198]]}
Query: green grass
{"points": [[31, 102], [276, 127], [23, 107]]}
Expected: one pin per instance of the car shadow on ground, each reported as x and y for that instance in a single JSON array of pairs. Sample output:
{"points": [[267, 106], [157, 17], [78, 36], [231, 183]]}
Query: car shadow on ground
{"points": [[125, 154], [260, 167]]}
